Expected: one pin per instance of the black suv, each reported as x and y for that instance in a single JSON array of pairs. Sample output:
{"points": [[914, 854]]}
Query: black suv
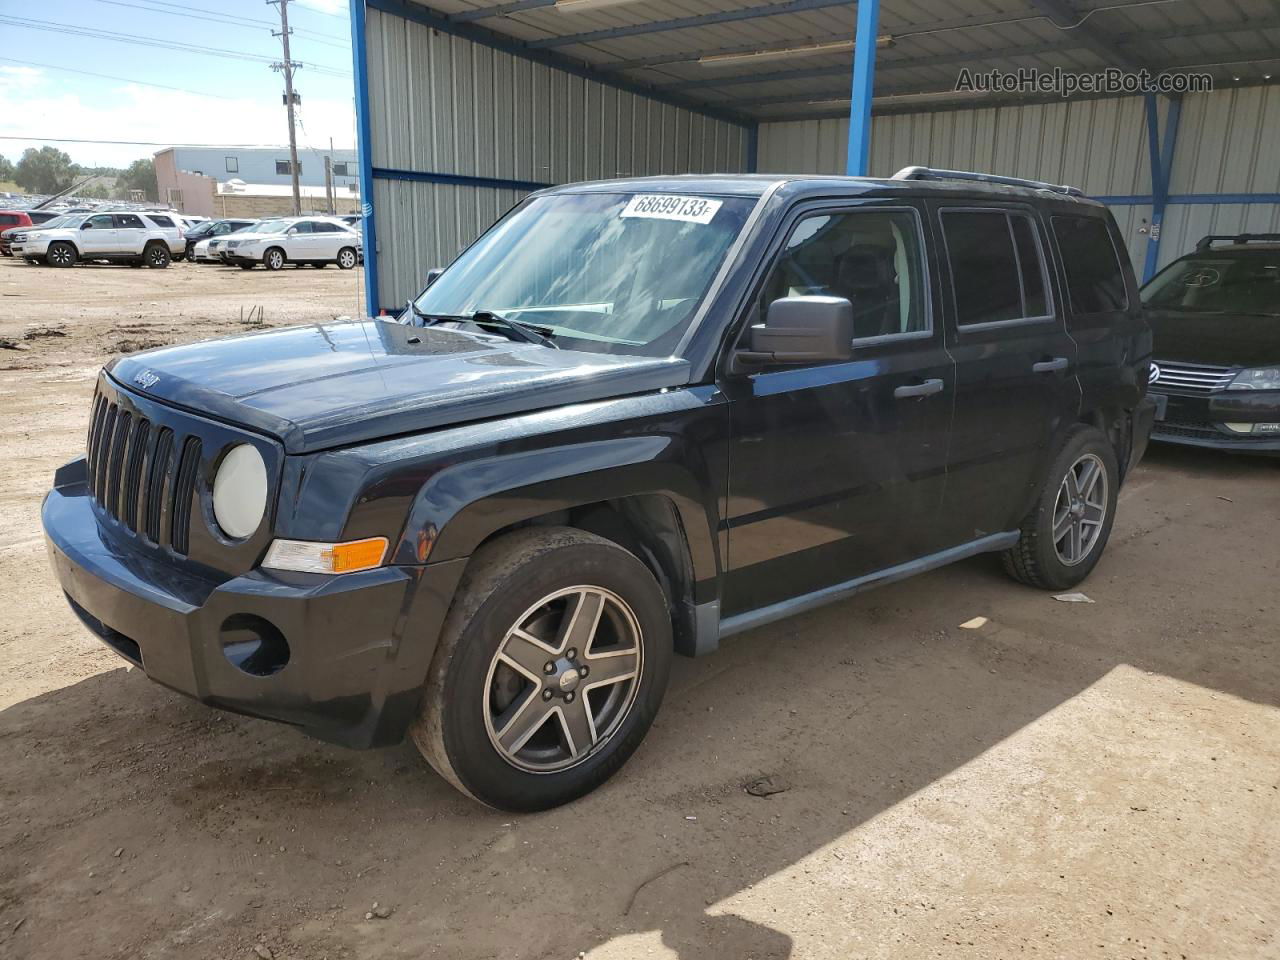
{"points": [[632, 419], [1215, 315]]}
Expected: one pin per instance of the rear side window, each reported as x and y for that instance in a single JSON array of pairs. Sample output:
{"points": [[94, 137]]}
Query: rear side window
{"points": [[10, 218], [128, 221], [160, 221], [1095, 279], [997, 269]]}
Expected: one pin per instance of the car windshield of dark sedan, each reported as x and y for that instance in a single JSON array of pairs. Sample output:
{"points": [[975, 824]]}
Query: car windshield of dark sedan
{"points": [[608, 273], [1244, 284]]}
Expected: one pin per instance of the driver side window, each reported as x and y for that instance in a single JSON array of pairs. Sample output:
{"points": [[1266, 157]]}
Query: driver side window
{"points": [[101, 221], [872, 258]]}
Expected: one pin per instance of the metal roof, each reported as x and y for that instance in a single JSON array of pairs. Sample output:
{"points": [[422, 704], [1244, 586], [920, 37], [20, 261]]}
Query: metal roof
{"points": [[657, 44]]}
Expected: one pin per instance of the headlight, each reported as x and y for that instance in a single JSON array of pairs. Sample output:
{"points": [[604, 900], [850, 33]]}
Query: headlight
{"points": [[305, 556], [240, 491], [1259, 378]]}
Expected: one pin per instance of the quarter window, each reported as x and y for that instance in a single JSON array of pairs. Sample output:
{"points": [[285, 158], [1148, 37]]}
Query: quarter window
{"points": [[870, 258], [159, 221], [997, 271], [1095, 279]]}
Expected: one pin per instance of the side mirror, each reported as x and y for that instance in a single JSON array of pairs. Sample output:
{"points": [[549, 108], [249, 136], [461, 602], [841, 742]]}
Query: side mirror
{"points": [[803, 330], [434, 274], [86, 225]]}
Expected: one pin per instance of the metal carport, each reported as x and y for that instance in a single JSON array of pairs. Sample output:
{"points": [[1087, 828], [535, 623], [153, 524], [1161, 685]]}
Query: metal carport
{"points": [[465, 106]]}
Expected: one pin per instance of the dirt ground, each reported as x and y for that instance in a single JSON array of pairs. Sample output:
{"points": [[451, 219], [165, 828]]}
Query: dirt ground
{"points": [[1069, 780]]}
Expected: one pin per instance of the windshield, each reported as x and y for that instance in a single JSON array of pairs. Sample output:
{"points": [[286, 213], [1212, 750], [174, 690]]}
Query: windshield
{"points": [[1244, 283], [608, 273], [268, 226]]}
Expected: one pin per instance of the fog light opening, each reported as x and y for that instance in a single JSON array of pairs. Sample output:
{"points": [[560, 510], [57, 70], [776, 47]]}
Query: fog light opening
{"points": [[253, 645]]}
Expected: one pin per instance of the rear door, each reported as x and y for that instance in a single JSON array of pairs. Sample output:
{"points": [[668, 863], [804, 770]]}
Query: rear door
{"points": [[97, 236], [131, 233], [1015, 363], [837, 470]]}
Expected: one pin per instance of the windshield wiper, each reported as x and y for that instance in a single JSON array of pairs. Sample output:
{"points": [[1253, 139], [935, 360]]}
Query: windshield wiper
{"points": [[428, 319], [524, 331]]}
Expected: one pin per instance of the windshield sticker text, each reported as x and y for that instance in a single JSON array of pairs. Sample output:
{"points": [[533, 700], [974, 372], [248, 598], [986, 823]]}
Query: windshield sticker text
{"points": [[667, 207]]}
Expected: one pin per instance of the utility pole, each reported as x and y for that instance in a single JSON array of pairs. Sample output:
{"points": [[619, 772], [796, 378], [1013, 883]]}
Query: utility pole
{"points": [[328, 180], [287, 68]]}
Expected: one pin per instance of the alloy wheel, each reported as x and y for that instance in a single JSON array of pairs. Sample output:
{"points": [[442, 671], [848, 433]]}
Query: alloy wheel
{"points": [[563, 679], [275, 259], [346, 259], [60, 255], [1080, 510]]}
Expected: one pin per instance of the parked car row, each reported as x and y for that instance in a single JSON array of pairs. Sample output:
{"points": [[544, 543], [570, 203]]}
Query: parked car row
{"points": [[156, 239]]}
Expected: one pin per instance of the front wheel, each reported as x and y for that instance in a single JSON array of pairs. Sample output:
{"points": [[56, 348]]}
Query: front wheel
{"points": [[1064, 535], [61, 255], [274, 259], [551, 666], [346, 258]]}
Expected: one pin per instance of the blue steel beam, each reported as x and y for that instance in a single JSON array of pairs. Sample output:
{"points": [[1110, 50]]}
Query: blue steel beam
{"points": [[1161, 156], [364, 156], [864, 74]]}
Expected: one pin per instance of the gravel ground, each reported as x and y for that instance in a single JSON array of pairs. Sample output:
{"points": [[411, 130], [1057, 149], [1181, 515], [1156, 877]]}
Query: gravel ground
{"points": [[1068, 780]]}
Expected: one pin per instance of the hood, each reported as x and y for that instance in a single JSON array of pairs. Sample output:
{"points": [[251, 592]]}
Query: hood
{"points": [[335, 384], [1223, 340]]}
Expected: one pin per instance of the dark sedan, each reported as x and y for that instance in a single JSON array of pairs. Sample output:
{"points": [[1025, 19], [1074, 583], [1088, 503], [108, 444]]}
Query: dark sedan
{"points": [[1215, 315]]}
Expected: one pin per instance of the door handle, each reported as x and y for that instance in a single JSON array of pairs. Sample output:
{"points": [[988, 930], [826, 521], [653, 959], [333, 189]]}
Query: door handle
{"points": [[1050, 366], [925, 389]]}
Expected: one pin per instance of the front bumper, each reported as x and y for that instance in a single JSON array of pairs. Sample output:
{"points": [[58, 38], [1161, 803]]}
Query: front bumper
{"points": [[1198, 421], [359, 645]]}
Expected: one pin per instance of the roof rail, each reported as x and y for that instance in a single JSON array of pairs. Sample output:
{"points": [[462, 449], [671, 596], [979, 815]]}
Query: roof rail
{"points": [[1204, 243], [928, 173]]}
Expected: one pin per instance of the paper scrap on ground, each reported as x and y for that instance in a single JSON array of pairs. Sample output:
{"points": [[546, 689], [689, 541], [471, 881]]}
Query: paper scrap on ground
{"points": [[973, 624], [1072, 598]]}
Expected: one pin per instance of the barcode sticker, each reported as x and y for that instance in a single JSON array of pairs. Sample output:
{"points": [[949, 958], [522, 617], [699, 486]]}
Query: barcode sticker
{"points": [[665, 206]]}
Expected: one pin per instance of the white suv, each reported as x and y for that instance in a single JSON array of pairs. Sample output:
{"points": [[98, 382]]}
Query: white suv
{"points": [[317, 241], [129, 237]]}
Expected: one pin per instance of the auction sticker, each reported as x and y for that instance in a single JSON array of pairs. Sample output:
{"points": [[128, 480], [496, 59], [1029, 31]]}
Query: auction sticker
{"points": [[666, 206]]}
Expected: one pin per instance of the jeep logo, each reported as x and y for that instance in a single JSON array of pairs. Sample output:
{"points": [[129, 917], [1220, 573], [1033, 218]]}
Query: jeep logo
{"points": [[146, 379]]}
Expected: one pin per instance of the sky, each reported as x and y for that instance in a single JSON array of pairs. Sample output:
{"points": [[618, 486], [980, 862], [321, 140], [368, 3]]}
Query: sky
{"points": [[142, 92]]}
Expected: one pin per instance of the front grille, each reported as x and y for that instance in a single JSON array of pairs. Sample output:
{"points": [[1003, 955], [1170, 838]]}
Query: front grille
{"points": [[1199, 431], [133, 476], [1197, 378]]}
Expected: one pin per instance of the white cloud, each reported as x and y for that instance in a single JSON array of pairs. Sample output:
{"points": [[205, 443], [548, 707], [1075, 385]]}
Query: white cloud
{"points": [[140, 113], [15, 80]]}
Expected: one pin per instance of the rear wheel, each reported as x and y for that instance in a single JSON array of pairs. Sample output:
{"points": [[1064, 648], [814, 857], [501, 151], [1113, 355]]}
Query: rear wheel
{"points": [[1064, 535], [274, 259], [551, 666], [156, 256], [61, 254], [346, 258]]}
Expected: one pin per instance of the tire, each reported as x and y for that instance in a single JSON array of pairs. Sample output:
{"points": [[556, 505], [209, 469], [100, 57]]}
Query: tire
{"points": [[346, 258], [274, 259], [156, 256], [61, 254], [533, 579], [1082, 519]]}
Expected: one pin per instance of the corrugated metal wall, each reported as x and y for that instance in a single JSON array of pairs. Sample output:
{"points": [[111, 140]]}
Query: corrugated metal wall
{"points": [[1228, 143], [1097, 145], [440, 104]]}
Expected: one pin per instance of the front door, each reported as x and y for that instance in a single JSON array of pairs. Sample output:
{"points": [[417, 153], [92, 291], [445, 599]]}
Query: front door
{"points": [[838, 470], [1015, 364], [98, 236]]}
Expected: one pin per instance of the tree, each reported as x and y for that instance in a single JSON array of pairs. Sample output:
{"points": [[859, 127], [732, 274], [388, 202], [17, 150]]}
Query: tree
{"points": [[141, 175], [47, 170], [97, 190], [6, 169]]}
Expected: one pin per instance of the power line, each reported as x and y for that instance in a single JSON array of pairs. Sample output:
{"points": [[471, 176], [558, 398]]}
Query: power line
{"points": [[73, 30], [146, 143], [107, 76], [231, 20]]}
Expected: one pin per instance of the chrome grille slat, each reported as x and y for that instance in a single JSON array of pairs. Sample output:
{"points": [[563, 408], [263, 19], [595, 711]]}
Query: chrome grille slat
{"points": [[1195, 378]]}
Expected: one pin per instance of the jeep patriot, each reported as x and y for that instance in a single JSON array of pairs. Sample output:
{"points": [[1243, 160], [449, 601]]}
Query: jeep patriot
{"points": [[632, 419]]}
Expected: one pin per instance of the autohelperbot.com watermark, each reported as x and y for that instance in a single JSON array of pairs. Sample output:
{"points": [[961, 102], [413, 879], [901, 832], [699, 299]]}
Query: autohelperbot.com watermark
{"points": [[1067, 83]]}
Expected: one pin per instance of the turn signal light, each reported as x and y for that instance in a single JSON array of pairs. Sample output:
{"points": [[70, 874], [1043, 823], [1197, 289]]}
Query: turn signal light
{"points": [[304, 556]]}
